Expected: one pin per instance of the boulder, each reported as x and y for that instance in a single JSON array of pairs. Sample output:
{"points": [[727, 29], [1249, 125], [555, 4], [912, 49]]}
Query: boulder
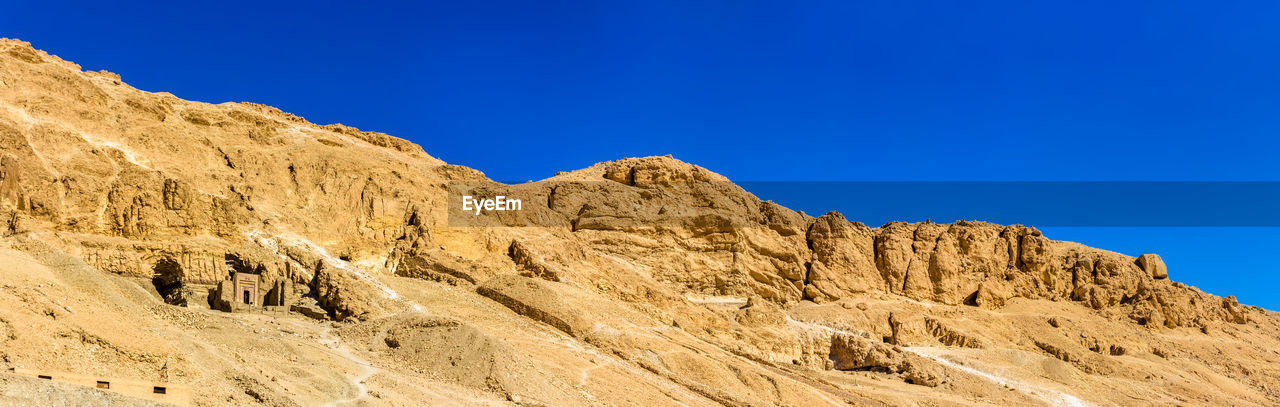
{"points": [[1153, 265], [921, 371], [310, 310], [853, 353], [989, 295]]}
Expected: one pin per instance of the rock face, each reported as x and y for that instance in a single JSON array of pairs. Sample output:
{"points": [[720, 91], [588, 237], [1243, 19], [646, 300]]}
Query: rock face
{"points": [[640, 281], [843, 259], [977, 263], [852, 353]]}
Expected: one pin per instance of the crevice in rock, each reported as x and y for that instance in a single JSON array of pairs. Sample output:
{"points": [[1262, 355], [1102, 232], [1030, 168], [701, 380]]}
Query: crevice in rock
{"points": [[226, 159], [293, 176]]}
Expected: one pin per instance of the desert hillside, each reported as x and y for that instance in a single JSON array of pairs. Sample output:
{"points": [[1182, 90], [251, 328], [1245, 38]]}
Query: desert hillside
{"points": [[133, 222]]}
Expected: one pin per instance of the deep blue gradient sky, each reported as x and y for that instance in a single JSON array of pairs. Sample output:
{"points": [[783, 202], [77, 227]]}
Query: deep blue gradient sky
{"points": [[824, 91]]}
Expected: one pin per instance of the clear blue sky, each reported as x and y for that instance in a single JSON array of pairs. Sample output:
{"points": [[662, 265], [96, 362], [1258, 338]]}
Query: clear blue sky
{"points": [[839, 90]]}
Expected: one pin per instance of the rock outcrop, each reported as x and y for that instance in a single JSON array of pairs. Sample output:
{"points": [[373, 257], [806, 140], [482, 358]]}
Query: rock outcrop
{"points": [[853, 353], [760, 252]]}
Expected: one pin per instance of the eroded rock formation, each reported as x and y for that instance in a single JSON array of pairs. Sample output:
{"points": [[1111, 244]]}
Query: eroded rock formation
{"points": [[638, 281]]}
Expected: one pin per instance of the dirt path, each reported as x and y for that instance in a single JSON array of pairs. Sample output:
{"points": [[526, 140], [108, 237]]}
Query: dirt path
{"points": [[368, 370]]}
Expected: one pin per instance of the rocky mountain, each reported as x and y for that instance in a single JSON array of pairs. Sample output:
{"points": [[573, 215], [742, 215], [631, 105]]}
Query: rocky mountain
{"points": [[129, 218]]}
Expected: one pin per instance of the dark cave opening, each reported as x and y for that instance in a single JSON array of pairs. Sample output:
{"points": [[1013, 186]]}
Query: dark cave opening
{"points": [[167, 278]]}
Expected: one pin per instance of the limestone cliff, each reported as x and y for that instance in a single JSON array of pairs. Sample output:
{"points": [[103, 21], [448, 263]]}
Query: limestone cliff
{"points": [[641, 281]]}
